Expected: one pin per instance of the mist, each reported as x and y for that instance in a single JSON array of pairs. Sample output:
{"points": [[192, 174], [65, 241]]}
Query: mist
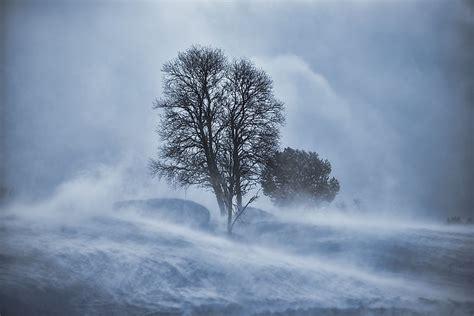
{"points": [[90, 258], [383, 90]]}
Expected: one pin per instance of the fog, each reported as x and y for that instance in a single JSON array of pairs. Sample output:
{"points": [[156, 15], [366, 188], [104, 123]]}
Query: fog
{"points": [[379, 89], [383, 90]]}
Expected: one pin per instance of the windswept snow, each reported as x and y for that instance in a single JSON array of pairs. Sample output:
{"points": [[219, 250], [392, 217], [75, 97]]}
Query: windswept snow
{"points": [[123, 263]]}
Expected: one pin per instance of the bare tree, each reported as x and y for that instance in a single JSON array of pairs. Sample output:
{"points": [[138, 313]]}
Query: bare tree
{"points": [[191, 124], [253, 118], [219, 124]]}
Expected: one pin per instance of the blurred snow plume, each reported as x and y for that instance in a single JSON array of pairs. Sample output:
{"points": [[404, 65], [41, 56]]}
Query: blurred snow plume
{"points": [[73, 253]]}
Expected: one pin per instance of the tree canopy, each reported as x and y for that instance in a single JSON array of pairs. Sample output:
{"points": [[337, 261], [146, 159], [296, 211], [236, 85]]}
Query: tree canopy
{"points": [[297, 177], [219, 123]]}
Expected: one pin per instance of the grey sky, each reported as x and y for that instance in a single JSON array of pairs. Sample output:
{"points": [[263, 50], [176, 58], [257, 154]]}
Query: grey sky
{"points": [[381, 89]]}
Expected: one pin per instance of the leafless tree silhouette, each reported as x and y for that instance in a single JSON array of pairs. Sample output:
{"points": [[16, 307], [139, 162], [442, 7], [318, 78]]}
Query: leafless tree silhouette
{"points": [[219, 121], [253, 118]]}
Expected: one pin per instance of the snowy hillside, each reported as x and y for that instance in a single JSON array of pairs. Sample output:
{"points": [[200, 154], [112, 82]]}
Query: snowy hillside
{"points": [[130, 263]]}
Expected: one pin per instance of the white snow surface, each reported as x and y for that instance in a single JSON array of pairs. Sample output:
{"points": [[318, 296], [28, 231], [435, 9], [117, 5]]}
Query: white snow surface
{"points": [[125, 263]]}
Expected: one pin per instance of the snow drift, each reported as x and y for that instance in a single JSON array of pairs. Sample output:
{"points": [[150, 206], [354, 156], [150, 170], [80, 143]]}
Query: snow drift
{"points": [[128, 263]]}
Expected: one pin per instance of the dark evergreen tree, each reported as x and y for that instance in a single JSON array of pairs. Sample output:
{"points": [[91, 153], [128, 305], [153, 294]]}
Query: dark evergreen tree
{"points": [[297, 177]]}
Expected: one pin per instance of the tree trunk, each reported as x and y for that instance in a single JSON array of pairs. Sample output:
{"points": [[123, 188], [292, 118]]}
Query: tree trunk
{"points": [[229, 222], [220, 198], [216, 185], [238, 185], [238, 196], [221, 204], [229, 214]]}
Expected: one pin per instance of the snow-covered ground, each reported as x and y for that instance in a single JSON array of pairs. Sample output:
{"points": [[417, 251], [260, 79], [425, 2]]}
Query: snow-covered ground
{"points": [[129, 263]]}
